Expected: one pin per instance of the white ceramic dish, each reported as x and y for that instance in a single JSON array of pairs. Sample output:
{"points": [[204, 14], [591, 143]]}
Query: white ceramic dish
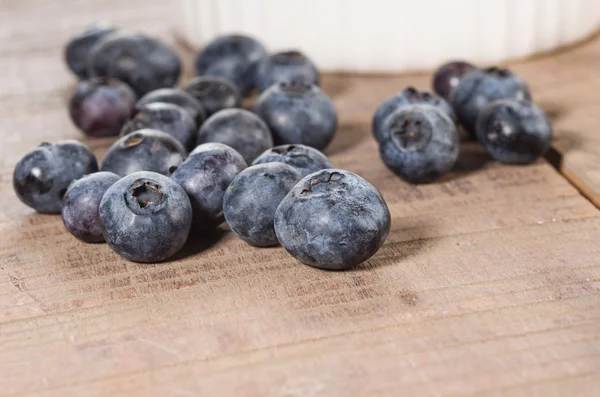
{"points": [[395, 35]]}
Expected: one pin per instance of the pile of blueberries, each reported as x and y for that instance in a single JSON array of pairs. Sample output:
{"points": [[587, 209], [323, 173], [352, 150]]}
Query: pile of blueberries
{"points": [[149, 196], [418, 132]]}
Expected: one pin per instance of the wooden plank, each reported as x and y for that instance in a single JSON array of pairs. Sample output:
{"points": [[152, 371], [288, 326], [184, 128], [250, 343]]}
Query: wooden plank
{"points": [[488, 284]]}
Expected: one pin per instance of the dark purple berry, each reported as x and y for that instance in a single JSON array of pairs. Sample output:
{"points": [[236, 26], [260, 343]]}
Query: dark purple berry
{"points": [[447, 77], [297, 112], [144, 63], [303, 158], [100, 106], [233, 57], [165, 117], [214, 93], [285, 66], [145, 217], [205, 175], [78, 49], [238, 128], [144, 150], [80, 205], [480, 87], [332, 219], [514, 132], [177, 97], [43, 175], [253, 196]]}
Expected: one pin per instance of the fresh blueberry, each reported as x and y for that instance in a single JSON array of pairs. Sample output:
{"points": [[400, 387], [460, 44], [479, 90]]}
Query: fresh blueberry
{"points": [[165, 117], [80, 206], [410, 96], [145, 217], [297, 112], [142, 62], [43, 175], [144, 150], [238, 128], [233, 57], [214, 93], [421, 143], [251, 200], [177, 97], [78, 48], [303, 158], [513, 131], [447, 77], [100, 106], [285, 66], [205, 175], [480, 87], [332, 219]]}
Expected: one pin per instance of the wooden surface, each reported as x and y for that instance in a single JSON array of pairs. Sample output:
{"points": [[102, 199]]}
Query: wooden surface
{"points": [[488, 284]]}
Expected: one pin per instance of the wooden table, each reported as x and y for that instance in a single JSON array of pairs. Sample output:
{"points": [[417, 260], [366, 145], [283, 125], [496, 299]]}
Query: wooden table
{"points": [[488, 284]]}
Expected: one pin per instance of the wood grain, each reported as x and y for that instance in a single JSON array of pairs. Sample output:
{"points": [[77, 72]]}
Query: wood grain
{"points": [[488, 284]]}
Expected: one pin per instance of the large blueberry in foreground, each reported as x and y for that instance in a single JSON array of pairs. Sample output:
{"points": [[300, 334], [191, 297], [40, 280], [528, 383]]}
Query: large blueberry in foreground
{"points": [[144, 150], [514, 132], [144, 63], [253, 196], [214, 93], [81, 203], [332, 219], [480, 87], [421, 143], [447, 77], [297, 112], [78, 48], [303, 158], [100, 106], [238, 128], [233, 57], [146, 217], [177, 97], [43, 175], [165, 117], [410, 96], [205, 175], [285, 66]]}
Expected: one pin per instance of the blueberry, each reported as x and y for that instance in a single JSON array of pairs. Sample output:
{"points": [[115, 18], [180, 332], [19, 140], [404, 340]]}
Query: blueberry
{"points": [[233, 57], [177, 97], [251, 200], [238, 128], [80, 205], [142, 62], [298, 112], [205, 175], [43, 175], [166, 117], [303, 158], [332, 219], [513, 131], [410, 96], [145, 217], [78, 48], [100, 106], [214, 93], [285, 66], [144, 150], [447, 77], [421, 143], [480, 87]]}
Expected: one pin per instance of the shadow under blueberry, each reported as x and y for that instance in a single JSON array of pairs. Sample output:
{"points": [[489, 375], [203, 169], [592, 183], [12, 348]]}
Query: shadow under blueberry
{"points": [[335, 85], [472, 158], [200, 240], [554, 111], [346, 137]]}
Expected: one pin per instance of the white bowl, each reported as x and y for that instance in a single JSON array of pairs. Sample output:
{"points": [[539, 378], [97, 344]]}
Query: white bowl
{"points": [[395, 35]]}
